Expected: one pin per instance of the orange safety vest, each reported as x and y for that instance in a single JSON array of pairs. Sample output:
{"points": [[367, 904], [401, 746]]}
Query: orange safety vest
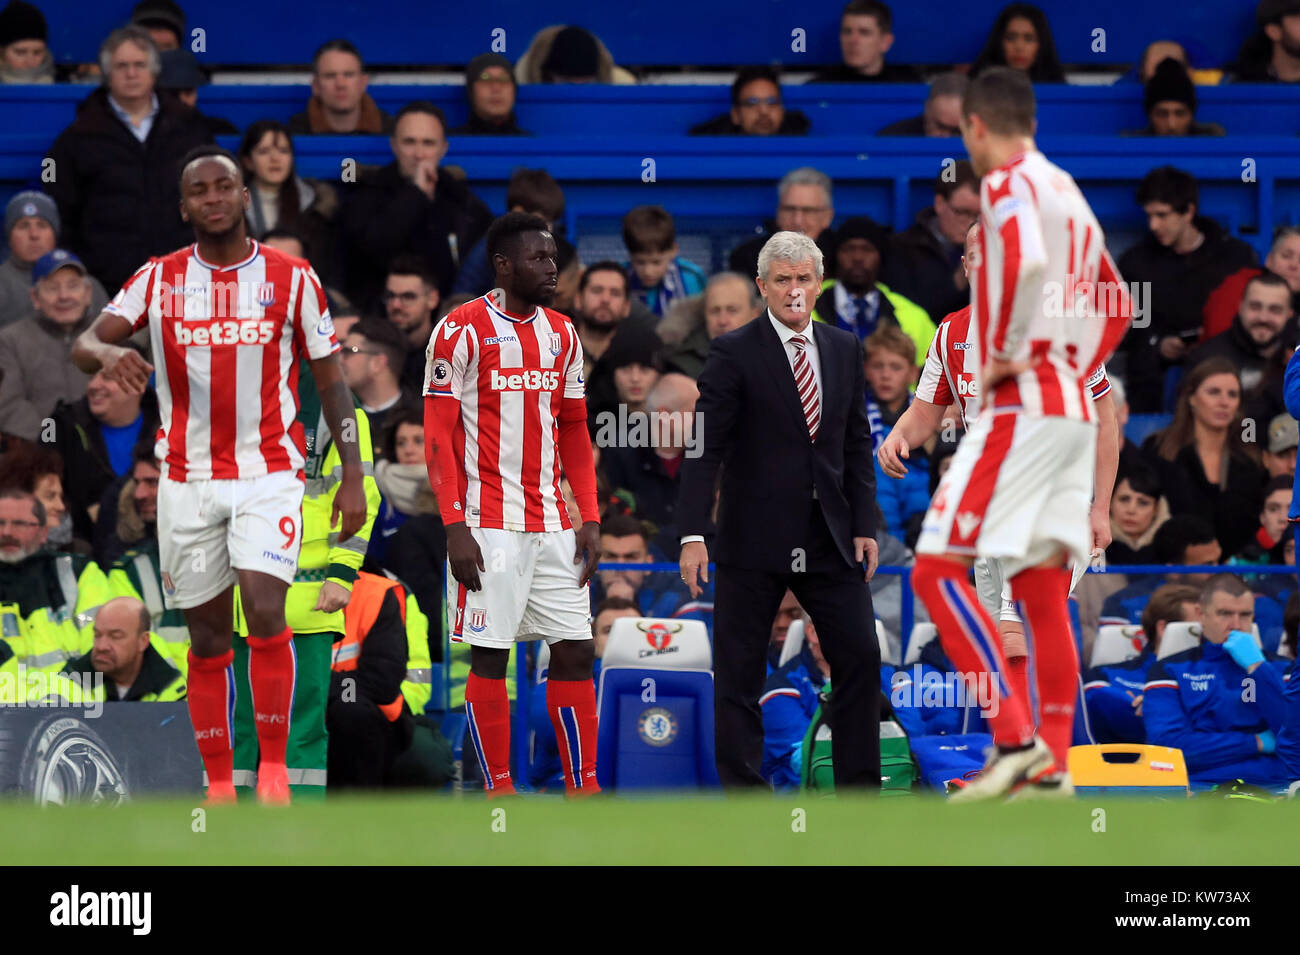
{"points": [[368, 592]]}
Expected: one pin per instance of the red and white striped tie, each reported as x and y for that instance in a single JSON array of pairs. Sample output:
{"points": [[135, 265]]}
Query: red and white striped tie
{"points": [[806, 383]]}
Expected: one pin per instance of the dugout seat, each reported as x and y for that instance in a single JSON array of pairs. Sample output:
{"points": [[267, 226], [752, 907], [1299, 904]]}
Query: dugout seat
{"points": [[655, 705], [922, 633], [1115, 644]]}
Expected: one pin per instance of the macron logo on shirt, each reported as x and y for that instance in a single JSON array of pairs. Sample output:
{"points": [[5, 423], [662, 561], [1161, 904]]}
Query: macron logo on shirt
{"points": [[527, 379]]}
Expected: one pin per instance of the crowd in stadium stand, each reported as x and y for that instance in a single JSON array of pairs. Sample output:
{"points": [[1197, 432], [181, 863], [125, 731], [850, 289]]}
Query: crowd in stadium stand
{"points": [[1210, 482]]}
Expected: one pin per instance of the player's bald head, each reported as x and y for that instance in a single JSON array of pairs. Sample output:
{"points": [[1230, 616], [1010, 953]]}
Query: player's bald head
{"points": [[196, 158]]}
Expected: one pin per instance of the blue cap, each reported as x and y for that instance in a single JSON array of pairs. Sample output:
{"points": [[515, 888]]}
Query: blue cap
{"points": [[51, 262]]}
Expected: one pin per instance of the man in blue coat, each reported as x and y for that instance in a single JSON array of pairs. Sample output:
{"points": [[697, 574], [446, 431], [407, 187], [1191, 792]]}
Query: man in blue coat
{"points": [[1218, 702]]}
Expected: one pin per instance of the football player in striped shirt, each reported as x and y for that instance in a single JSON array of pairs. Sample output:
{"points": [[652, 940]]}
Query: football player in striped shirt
{"points": [[504, 412], [1020, 485], [229, 319]]}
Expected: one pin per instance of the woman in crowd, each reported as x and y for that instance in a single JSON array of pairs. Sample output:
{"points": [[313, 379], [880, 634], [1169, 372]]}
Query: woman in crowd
{"points": [[38, 470], [283, 200], [1137, 509], [1022, 40], [1202, 460]]}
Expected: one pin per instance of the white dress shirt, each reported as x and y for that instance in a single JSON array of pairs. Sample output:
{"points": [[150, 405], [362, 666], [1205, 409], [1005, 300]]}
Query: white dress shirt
{"points": [[785, 333]]}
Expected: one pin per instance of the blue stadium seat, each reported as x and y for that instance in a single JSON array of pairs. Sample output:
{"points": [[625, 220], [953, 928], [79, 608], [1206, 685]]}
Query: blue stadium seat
{"points": [[656, 707], [1140, 426]]}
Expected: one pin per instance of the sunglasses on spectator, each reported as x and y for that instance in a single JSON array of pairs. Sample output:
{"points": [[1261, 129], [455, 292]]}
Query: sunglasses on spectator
{"points": [[761, 101]]}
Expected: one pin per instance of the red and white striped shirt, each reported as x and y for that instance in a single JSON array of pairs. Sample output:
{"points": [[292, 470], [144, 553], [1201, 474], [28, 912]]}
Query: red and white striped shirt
{"points": [[226, 345], [509, 374], [952, 366], [1044, 287]]}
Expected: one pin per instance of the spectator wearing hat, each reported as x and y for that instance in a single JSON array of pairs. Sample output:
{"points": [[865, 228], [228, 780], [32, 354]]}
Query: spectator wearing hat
{"points": [[1170, 104], [1272, 53], [32, 228], [756, 109], [339, 103], [24, 45], [182, 76], [856, 300], [925, 258], [165, 22], [117, 181], [490, 90], [1279, 454], [36, 353], [1256, 334], [569, 54]]}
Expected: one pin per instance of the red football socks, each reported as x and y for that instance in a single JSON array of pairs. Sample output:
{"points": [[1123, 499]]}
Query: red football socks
{"points": [[972, 643], [210, 693], [487, 708], [1043, 592], [272, 669], [572, 707]]}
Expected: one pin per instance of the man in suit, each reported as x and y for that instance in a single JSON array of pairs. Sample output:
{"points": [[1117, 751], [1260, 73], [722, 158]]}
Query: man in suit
{"points": [[782, 416]]}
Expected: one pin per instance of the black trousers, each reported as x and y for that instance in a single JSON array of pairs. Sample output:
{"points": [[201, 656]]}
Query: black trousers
{"points": [[363, 744], [838, 600]]}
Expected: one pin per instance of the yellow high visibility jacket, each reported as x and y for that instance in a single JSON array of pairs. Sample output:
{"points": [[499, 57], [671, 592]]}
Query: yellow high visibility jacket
{"points": [[48, 604]]}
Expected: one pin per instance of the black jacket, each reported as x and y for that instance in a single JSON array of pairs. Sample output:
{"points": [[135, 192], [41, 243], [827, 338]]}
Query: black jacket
{"points": [[754, 431], [744, 257], [386, 215], [891, 73], [1233, 510], [1238, 347], [1180, 284], [119, 199], [418, 553], [382, 665], [921, 269], [477, 126], [793, 123], [155, 675], [641, 472], [912, 126], [87, 471]]}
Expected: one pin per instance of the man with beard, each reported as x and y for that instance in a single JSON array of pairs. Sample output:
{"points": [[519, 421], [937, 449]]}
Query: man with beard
{"points": [[48, 600], [857, 301], [605, 312], [1256, 334], [410, 302]]}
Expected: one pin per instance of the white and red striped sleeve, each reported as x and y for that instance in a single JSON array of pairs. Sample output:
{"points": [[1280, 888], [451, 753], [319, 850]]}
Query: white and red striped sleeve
{"points": [[133, 300], [313, 319], [1116, 325], [933, 386], [574, 384], [1018, 266], [447, 358]]}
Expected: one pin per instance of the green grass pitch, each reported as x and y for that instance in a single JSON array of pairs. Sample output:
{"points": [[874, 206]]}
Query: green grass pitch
{"points": [[445, 830]]}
